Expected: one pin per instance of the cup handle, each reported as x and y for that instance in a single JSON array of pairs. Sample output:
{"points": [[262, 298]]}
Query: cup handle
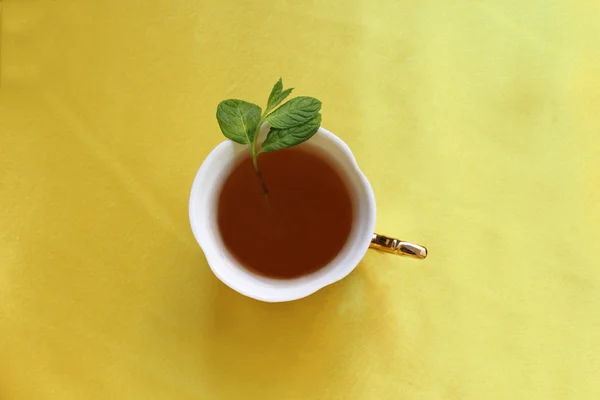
{"points": [[396, 246]]}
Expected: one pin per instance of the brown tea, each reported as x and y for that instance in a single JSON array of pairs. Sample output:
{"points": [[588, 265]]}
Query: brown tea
{"points": [[300, 228]]}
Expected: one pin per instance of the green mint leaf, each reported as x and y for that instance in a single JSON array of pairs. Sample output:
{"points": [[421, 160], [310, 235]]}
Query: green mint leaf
{"points": [[277, 95], [297, 111], [238, 120], [280, 98], [278, 139]]}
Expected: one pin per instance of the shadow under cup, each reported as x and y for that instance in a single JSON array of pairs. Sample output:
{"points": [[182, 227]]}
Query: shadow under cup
{"points": [[203, 218]]}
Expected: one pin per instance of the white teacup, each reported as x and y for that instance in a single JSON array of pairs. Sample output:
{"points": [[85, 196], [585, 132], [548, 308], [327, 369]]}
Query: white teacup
{"points": [[203, 211]]}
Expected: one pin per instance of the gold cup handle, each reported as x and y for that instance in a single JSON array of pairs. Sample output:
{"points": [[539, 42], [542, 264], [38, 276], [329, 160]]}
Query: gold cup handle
{"points": [[396, 246]]}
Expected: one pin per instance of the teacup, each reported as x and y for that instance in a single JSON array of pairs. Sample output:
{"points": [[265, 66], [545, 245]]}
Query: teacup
{"points": [[203, 211]]}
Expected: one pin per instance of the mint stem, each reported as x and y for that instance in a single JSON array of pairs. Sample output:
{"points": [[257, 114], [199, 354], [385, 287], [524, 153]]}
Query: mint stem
{"points": [[260, 176], [255, 160]]}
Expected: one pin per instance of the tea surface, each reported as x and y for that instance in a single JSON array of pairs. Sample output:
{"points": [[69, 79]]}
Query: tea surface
{"points": [[303, 225]]}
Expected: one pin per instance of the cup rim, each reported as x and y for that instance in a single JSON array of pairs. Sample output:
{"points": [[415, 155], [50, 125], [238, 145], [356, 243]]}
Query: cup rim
{"points": [[212, 253]]}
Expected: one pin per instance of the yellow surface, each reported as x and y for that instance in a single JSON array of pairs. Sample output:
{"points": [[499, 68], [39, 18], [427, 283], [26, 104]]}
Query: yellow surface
{"points": [[477, 123]]}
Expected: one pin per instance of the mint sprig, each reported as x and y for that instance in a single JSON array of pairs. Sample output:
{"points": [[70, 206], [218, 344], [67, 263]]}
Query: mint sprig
{"points": [[296, 121]]}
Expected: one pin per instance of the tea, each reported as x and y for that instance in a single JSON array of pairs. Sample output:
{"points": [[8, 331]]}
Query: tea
{"points": [[303, 224]]}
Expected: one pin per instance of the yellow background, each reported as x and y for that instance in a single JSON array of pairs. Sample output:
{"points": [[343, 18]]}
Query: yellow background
{"points": [[477, 123]]}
